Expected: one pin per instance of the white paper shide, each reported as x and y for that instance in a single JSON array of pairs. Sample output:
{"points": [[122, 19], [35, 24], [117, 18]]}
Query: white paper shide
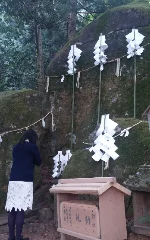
{"points": [[134, 40], [73, 57], [47, 84], [60, 162], [105, 147], [125, 132], [62, 78], [43, 123], [99, 55]]}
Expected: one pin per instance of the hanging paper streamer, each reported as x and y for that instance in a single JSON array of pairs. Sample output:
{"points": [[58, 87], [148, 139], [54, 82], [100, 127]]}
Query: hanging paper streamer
{"points": [[118, 68], [56, 170], [105, 147], [63, 78], [100, 57], [60, 162], [134, 40], [78, 80], [47, 84], [125, 132], [73, 57], [53, 124], [43, 123]]}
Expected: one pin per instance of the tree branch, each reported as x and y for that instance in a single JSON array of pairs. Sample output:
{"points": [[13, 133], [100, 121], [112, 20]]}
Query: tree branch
{"points": [[90, 12], [86, 9], [83, 17]]}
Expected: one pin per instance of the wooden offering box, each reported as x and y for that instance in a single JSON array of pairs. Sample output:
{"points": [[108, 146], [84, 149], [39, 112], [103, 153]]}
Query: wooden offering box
{"points": [[104, 219]]}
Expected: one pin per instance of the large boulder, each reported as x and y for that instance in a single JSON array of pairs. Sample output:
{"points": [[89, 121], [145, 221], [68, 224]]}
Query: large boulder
{"points": [[117, 93]]}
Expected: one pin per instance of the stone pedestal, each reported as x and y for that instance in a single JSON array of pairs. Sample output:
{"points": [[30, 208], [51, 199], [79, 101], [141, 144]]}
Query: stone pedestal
{"points": [[140, 186]]}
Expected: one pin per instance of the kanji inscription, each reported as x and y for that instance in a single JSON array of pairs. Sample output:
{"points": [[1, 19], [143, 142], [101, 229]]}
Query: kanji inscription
{"points": [[80, 217]]}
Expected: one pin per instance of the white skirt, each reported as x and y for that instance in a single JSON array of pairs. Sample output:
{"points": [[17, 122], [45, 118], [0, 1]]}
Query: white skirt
{"points": [[19, 196]]}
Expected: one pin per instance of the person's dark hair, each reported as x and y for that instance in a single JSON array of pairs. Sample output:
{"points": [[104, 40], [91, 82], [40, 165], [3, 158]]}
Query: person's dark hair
{"points": [[30, 135]]}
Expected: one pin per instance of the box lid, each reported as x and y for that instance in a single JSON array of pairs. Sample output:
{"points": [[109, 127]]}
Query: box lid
{"points": [[92, 186]]}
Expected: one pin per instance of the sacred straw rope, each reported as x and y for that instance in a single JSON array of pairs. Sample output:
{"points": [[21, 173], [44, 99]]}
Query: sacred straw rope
{"points": [[20, 129], [87, 69], [129, 128], [121, 132]]}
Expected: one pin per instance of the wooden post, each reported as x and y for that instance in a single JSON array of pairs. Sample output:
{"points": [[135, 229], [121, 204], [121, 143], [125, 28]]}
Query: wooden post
{"points": [[40, 65]]}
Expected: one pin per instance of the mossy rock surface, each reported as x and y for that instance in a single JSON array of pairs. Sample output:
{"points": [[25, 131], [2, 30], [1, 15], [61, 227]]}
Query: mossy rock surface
{"points": [[139, 181], [133, 150], [17, 109], [117, 93]]}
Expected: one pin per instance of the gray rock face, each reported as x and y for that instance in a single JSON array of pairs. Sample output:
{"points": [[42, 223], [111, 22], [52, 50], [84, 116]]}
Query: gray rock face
{"points": [[141, 180], [45, 214]]}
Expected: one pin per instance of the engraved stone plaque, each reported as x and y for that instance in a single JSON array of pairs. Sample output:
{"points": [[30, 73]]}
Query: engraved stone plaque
{"points": [[81, 218]]}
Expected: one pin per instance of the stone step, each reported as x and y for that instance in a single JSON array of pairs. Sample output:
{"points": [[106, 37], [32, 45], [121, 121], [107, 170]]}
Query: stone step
{"points": [[3, 237], [3, 219]]}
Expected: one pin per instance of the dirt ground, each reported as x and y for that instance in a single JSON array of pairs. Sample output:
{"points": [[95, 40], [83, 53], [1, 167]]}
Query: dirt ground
{"points": [[36, 230], [40, 231]]}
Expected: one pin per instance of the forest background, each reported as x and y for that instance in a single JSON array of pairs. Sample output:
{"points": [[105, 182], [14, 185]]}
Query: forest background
{"points": [[33, 31]]}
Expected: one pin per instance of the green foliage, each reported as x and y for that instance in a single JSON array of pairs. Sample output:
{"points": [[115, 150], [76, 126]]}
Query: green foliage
{"points": [[18, 50], [17, 56]]}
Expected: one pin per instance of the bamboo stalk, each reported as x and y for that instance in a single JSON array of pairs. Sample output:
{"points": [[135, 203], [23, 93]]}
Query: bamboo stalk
{"points": [[73, 93], [135, 79], [99, 98], [135, 76]]}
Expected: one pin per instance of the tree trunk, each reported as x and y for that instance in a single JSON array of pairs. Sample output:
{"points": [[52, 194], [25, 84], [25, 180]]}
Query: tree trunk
{"points": [[40, 65], [72, 19]]}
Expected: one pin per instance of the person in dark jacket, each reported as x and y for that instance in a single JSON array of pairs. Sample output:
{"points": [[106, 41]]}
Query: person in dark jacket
{"points": [[20, 189]]}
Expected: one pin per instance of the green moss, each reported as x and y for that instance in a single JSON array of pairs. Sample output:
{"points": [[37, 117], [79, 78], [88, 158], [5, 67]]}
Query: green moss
{"points": [[138, 3], [133, 151], [11, 93], [17, 109], [144, 6], [81, 165]]}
